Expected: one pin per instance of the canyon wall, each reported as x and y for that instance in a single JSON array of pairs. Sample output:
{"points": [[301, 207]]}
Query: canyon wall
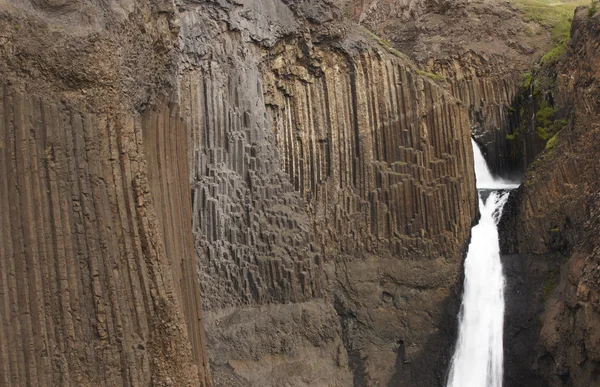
{"points": [[550, 236], [88, 292], [261, 272], [333, 195], [479, 51], [323, 185], [98, 282], [382, 158]]}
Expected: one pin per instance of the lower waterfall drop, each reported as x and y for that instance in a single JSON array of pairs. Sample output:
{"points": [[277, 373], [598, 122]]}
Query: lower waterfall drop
{"points": [[478, 357]]}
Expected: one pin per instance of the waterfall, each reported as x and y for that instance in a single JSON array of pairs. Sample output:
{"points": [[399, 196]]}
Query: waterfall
{"points": [[478, 357], [485, 180]]}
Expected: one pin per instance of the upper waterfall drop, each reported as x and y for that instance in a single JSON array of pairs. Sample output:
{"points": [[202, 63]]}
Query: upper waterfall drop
{"points": [[478, 357], [485, 179]]}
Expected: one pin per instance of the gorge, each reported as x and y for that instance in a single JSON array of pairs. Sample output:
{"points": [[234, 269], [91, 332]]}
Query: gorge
{"points": [[282, 192]]}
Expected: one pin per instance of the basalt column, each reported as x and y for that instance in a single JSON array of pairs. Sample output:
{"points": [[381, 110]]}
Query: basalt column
{"points": [[267, 319], [92, 292], [382, 158]]}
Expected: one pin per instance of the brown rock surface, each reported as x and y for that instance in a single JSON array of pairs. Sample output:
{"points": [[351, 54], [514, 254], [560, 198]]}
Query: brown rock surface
{"points": [[88, 293], [98, 283], [330, 182], [332, 194], [552, 232]]}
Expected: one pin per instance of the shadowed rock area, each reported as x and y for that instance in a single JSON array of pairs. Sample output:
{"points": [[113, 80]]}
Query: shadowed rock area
{"points": [[551, 235]]}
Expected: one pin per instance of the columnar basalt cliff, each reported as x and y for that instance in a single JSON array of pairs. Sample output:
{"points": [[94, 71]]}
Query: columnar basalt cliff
{"points": [[98, 283], [314, 188], [333, 194], [550, 236], [89, 296], [381, 157], [479, 50]]}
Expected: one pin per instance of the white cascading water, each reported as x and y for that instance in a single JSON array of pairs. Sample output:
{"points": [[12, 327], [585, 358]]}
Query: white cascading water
{"points": [[478, 357]]}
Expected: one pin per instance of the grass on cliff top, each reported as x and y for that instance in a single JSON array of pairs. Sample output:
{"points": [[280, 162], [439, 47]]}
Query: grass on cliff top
{"points": [[554, 15]]}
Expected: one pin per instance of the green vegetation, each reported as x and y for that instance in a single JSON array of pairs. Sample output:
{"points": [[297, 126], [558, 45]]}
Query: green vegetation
{"points": [[593, 8], [547, 125], [555, 15], [376, 37], [435, 77], [386, 44], [526, 79], [554, 54], [552, 142]]}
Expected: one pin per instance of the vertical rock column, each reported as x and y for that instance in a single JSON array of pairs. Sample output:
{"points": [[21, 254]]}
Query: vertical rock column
{"points": [[382, 157], [252, 233], [383, 154], [165, 140], [494, 112], [86, 285]]}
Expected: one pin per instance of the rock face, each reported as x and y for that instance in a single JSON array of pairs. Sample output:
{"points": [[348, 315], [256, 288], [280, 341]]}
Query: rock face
{"points": [[377, 12], [333, 195], [379, 164], [331, 188], [94, 289], [98, 278], [478, 49], [551, 232]]}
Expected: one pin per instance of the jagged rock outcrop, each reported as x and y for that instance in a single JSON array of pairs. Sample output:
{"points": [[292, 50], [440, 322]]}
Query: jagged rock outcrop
{"points": [[550, 232]]}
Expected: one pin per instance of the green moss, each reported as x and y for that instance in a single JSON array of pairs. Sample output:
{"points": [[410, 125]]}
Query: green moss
{"points": [[550, 283], [544, 119], [593, 8], [526, 79], [386, 45], [547, 124], [511, 137], [435, 77], [555, 54], [397, 53], [552, 142], [376, 37]]}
